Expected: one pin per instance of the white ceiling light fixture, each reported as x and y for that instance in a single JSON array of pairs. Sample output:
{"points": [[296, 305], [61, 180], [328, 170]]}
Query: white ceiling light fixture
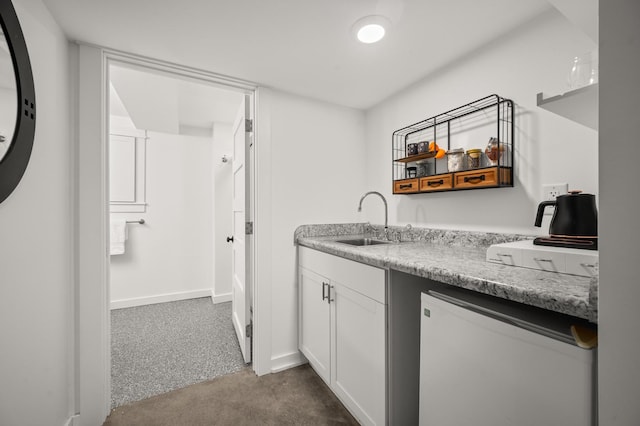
{"points": [[371, 29]]}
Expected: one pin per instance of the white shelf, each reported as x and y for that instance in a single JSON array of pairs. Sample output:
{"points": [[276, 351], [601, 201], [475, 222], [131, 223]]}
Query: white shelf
{"points": [[579, 105]]}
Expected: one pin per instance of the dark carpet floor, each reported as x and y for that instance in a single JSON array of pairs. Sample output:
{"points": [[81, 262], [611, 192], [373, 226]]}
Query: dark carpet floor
{"points": [[292, 397]]}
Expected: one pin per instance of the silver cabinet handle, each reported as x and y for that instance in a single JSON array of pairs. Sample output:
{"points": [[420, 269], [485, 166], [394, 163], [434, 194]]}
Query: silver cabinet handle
{"points": [[330, 298]]}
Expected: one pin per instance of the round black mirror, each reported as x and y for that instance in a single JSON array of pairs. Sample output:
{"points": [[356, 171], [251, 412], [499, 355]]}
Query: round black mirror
{"points": [[8, 97], [17, 102]]}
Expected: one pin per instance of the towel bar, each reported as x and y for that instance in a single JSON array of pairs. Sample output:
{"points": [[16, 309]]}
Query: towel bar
{"points": [[141, 221]]}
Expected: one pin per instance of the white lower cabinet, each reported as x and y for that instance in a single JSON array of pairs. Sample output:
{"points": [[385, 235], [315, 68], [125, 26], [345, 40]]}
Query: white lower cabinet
{"points": [[358, 354], [314, 322], [342, 330]]}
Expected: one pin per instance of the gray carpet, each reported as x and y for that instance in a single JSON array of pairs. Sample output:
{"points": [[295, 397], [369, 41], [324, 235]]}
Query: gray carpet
{"points": [[292, 397], [166, 346]]}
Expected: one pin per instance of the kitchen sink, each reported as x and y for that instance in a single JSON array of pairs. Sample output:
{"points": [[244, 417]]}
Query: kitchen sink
{"points": [[363, 242]]}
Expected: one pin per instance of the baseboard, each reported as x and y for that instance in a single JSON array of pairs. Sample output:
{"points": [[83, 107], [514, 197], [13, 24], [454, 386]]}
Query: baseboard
{"points": [[220, 298], [285, 362], [160, 298]]}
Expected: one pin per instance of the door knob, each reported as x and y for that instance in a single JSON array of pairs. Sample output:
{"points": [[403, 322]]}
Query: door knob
{"points": [[229, 239]]}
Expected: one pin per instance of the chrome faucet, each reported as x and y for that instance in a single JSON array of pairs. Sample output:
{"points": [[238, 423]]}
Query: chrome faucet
{"points": [[386, 214]]}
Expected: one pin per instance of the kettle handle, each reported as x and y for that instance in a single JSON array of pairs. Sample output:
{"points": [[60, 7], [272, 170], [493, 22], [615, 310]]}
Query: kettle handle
{"points": [[541, 208]]}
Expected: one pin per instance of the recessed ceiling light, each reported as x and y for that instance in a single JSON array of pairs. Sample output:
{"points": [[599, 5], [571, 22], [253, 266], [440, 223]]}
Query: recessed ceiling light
{"points": [[370, 29], [371, 33]]}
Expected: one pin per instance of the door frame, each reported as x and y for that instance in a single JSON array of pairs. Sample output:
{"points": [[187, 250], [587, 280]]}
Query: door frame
{"points": [[92, 390]]}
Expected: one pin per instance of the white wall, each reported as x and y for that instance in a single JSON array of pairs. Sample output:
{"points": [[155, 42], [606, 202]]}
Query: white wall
{"points": [[170, 256], [317, 176], [37, 302], [222, 196], [619, 292], [549, 148]]}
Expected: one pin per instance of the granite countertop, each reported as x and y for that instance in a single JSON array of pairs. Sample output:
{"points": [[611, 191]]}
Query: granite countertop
{"points": [[459, 258]]}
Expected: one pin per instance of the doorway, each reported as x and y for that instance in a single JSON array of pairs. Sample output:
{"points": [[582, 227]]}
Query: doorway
{"points": [[173, 143]]}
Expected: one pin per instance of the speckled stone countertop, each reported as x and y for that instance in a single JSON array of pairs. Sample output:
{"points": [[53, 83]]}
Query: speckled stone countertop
{"points": [[459, 258]]}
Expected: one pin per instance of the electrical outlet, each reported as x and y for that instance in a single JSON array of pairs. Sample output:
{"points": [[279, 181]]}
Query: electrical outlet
{"points": [[551, 191]]}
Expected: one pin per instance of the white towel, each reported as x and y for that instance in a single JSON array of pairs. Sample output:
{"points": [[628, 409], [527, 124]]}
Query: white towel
{"points": [[117, 236]]}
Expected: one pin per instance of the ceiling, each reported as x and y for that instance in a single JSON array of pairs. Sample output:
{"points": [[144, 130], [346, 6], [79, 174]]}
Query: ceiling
{"points": [[166, 104], [300, 46]]}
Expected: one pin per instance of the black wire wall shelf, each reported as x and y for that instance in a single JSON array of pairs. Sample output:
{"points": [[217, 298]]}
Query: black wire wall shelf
{"points": [[478, 139]]}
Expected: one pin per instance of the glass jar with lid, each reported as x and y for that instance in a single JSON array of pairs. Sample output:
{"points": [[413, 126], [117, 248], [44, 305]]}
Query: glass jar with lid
{"points": [[494, 151], [422, 168], [473, 158], [455, 160]]}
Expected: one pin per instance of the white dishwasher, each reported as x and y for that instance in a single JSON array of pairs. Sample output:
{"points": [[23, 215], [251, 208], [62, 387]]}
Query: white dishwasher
{"points": [[482, 366]]}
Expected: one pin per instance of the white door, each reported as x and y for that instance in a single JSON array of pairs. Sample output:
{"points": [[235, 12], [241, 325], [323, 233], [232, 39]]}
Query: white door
{"points": [[241, 294]]}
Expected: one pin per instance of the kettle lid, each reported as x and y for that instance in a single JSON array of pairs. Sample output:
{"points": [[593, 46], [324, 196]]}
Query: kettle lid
{"points": [[576, 192]]}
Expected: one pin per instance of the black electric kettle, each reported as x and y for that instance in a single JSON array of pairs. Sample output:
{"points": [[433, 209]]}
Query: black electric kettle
{"points": [[574, 220]]}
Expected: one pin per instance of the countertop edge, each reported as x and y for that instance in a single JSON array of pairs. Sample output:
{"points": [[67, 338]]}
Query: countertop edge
{"points": [[575, 306]]}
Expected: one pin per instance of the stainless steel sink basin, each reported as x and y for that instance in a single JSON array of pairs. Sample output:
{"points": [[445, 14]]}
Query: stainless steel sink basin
{"points": [[363, 242]]}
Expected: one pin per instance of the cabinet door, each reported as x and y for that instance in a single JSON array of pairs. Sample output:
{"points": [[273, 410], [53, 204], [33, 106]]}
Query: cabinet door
{"points": [[358, 354], [314, 321]]}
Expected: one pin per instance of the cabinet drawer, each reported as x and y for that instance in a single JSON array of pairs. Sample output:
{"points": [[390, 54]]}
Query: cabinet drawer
{"points": [[405, 186], [367, 280], [436, 183], [476, 178]]}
